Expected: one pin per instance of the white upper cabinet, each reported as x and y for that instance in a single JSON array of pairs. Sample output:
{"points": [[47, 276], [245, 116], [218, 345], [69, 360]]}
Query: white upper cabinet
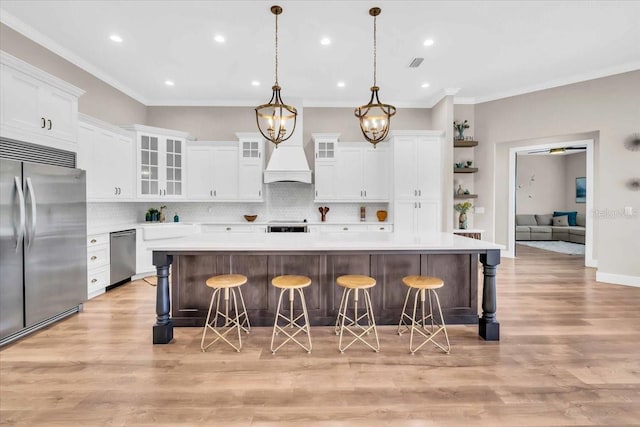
{"points": [[325, 146], [36, 106], [107, 153], [417, 166], [250, 166], [350, 171], [226, 171], [417, 171], [160, 164]]}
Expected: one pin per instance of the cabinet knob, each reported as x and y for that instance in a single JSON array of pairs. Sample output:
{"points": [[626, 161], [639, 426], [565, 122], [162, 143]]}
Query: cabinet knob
{"points": [[93, 240], [93, 258], [382, 228], [228, 228], [50, 125], [346, 228], [94, 280], [44, 122]]}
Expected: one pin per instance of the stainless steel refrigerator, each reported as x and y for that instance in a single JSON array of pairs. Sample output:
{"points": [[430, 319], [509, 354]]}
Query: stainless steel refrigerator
{"points": [[43, 254]]}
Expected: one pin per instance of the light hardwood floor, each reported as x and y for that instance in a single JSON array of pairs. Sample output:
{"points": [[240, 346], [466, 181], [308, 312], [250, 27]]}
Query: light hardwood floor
{"points": [[569, 355]]}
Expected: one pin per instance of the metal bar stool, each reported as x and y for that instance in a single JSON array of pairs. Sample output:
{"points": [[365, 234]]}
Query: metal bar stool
{"points": [[421, 285], [345, 323], [223, 323], [291, 328]]}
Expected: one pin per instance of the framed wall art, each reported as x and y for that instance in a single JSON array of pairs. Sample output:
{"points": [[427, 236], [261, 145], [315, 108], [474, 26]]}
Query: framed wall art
{"points": [[581, 190]]}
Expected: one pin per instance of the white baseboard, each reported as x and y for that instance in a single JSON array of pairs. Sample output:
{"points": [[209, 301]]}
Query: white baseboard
{"points": [[618, 279]]}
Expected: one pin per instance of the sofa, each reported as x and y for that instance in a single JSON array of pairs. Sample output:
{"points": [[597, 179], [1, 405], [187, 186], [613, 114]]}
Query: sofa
{"points": [[550, 227]]}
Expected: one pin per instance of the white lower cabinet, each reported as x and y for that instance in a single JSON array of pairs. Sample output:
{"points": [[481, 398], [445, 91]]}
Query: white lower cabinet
{"points": [[416, 216], [235, 228], [98, 264]]}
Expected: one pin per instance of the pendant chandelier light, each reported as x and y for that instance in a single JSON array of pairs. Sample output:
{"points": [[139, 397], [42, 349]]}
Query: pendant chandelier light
{"points": [[375, 117], [276, 120]]}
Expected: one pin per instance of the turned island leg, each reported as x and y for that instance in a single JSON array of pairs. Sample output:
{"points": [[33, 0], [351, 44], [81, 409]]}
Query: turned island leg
{"points": [[488, 326], [163, 329]]}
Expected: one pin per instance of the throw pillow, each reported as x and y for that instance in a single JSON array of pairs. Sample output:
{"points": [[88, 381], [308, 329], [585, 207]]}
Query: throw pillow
{"points": [[561, 221], [572, 216], [545, 219]]}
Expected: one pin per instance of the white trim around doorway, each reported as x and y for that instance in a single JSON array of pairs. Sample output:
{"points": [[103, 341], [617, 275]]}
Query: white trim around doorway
{"points": [[589, 260]]}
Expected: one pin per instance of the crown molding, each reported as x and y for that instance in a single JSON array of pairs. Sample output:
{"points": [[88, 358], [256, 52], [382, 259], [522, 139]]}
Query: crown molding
{"points": [[39, 38], [577, 78]]}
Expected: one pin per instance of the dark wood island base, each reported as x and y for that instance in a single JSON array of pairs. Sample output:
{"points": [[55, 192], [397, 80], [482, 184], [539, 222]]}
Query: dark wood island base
{"points": [[458, 268]]}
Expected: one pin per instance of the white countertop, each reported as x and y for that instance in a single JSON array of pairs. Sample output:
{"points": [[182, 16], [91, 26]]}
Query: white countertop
{"points": [[303, 242]]}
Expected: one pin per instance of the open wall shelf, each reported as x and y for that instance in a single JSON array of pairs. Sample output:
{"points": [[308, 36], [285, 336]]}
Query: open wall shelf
{"points": [[463, 144]]}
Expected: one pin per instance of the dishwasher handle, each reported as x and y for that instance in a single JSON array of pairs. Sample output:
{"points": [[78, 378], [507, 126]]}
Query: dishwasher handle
{"points": [[124, 233]]}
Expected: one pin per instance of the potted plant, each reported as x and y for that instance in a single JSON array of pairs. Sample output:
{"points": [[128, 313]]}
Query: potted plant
{"points": [[462, 219], [460, 127]]}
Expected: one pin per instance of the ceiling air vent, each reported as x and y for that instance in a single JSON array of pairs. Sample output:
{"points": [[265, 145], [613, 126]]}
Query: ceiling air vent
{"points": [[415, 63]]}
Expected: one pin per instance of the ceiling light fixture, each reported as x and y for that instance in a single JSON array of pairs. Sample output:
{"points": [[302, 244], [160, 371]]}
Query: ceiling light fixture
{"points": [[169, 83], [276, 120], [428, 42], [255, 83], [425, 85], [341, 84], [220, 39], [375, 117], [325, 41], [115, 38]]}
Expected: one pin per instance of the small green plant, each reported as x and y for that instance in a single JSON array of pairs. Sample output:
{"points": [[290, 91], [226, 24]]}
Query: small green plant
{"points": [[463, 207], [460, 127]]}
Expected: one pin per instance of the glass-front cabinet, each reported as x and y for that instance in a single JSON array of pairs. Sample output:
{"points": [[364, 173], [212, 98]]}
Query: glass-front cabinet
{"points": [[160, 164]]}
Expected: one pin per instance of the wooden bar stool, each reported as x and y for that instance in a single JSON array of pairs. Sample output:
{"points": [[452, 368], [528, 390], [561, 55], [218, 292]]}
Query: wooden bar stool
{"points": [[345, 323], [226, 284], [291, 283], [421, 285]]}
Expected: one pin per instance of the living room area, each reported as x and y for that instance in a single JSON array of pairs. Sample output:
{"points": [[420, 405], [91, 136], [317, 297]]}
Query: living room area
{"points": [[551, 195]]}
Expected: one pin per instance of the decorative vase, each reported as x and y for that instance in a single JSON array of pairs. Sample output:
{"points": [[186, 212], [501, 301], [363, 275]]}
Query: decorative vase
{"points": [[460, 134], [462, 221], [382, 215], [460, 191]]}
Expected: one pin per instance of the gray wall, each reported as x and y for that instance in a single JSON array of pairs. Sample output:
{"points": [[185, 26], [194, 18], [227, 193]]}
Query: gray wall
{"points": [[575, 165], [443, 119], [541, 184], [606, 110], [100, 100]]}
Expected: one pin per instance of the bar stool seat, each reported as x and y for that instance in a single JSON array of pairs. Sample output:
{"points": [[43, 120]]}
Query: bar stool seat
{"points": [[422, 285], [353, 284], [291, 328], [223, 323]]}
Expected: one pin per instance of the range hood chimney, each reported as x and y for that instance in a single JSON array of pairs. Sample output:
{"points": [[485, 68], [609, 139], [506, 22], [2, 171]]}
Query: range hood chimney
{"points": [[288, 161]]}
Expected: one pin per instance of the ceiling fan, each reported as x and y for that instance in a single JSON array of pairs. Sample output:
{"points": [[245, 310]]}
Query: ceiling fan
{"points": [[560, 150]]}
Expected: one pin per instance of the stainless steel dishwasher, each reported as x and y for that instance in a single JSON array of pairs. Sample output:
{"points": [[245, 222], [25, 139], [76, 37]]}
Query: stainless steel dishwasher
{"points": [[123, 256]]}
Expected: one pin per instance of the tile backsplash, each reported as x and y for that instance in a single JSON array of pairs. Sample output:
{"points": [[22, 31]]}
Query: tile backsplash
{"points": [[283, 201]]}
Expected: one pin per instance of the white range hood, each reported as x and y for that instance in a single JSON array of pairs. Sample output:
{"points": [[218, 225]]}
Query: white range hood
{"points": [[288, 161]]}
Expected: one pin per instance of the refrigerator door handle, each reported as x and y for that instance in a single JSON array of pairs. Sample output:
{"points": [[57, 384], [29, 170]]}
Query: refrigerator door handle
{"points": [[32, 195], [21, 225]]}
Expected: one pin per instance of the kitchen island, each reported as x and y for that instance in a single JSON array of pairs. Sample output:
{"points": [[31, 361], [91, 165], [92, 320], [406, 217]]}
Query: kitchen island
{"points": [[323, 257]]}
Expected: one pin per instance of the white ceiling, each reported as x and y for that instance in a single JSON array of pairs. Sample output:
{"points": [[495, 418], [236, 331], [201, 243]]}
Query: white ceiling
{"points": [[486, 49]]}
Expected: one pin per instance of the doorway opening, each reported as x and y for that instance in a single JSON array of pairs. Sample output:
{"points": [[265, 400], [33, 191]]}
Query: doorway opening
{"points": [[541, 182]]}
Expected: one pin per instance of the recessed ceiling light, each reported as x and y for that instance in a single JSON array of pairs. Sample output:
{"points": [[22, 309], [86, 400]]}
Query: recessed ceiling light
{"points": [[341, 84], [169, 83], [115, 38], [428, 42], [219, 38], [255, 83], [425, 85], [325, 41]]}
